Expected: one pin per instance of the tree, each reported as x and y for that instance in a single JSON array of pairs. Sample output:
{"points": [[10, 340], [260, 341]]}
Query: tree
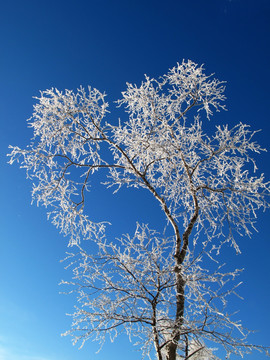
{"points": [[159, 288]]}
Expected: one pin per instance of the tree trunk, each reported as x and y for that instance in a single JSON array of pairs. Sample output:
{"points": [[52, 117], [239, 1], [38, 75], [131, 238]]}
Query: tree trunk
{"points": [[171, 348]]}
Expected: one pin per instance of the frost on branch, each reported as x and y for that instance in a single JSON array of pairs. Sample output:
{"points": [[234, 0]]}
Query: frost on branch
{"points": [[155, 287], [161, 147], [130, 285], [64, 152]]}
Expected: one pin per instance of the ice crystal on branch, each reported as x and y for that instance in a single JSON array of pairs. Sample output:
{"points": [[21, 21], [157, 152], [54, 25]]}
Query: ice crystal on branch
{"points": [[157, 288]]}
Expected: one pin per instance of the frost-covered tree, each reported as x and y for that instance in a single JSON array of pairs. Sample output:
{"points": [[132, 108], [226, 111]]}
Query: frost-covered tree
{"points": [[156, 287]]}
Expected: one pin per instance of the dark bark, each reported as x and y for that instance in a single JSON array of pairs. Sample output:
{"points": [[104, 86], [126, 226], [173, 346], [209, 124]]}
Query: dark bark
{"points": [[179, 317], [180, 285]]}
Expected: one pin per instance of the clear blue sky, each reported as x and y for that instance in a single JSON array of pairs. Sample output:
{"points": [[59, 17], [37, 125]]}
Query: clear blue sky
{"points": [[104, 43]]}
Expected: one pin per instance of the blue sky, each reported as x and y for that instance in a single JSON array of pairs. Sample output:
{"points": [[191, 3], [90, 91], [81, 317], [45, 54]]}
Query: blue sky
{"points": [[104, 43]]}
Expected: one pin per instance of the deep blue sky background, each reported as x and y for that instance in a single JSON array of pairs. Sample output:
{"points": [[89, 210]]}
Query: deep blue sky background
{"points": [[104, 43]]}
